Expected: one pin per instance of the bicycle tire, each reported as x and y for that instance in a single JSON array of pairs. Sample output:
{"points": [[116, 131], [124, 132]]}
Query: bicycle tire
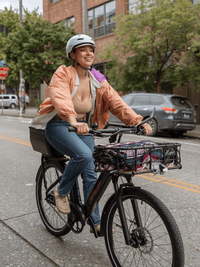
{"points": [[159, 227], [55, 221]]}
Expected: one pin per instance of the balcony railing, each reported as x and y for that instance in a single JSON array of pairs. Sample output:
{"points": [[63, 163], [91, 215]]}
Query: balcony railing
{"points": [[104, 30]]}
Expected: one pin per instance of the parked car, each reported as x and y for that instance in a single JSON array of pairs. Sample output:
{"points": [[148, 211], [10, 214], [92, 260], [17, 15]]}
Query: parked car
{"points": [[173, 113], [9, 101]]}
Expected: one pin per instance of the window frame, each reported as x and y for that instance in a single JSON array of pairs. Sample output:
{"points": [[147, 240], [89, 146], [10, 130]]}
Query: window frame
{"points": [[53, 1], [106, 31], [67, 21], [99, 66], [194, 2]]}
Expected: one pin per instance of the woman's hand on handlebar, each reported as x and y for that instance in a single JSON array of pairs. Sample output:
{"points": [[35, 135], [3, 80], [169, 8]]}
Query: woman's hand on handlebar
{"points": [[82, 127], [147, 128]]}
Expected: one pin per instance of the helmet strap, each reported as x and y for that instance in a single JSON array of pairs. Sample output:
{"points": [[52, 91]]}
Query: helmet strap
{"points": [[86, 69]]}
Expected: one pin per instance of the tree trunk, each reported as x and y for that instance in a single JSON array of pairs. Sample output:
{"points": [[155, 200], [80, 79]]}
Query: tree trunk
{"points": [[158, 86], [47, 81]]}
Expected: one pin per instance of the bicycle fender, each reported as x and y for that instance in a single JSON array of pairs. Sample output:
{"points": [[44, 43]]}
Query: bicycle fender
{"points": [[41, 168]]}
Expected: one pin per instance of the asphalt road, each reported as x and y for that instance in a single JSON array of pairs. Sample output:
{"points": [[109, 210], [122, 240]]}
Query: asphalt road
{"points": [[24, 241]]}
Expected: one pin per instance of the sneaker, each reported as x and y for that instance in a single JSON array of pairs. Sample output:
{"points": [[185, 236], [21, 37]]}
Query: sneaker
{"points": [[98, 229], [62, 203]]}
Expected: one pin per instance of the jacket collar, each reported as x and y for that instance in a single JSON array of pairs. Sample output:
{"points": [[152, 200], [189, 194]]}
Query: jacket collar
{"points": [[94, 81]]}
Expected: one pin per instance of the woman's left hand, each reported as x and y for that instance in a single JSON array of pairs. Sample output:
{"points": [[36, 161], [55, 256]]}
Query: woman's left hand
{"points": [[147, 128]]}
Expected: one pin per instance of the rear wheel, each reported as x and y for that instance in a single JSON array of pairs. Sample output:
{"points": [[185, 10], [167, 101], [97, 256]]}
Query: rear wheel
{"points": [[157, 242], [55, 222]]}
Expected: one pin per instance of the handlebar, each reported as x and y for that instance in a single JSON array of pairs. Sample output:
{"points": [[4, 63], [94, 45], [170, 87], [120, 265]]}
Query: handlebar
{"points": [[98, 132], [132, 128], [116, 131]]}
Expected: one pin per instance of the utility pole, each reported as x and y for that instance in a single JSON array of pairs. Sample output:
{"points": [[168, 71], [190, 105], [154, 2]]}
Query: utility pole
{"points": [[21, 84], [85, 17], [20, 23]]}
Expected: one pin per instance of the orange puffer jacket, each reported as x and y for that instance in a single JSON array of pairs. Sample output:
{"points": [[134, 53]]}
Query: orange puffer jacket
{"points": [[107, 99]]}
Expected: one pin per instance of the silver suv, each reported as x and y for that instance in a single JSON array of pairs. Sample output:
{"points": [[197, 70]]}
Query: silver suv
{"points": [[173, 114], [9, 101]]}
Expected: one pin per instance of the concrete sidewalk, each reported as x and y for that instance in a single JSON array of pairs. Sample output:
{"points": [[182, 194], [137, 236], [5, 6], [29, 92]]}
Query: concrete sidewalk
{"points": [[31, 112]]}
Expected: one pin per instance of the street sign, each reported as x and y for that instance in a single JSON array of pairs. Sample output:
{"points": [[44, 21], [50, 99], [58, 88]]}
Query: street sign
{"points": [[3, 72], [3, 87], [4, 68]]}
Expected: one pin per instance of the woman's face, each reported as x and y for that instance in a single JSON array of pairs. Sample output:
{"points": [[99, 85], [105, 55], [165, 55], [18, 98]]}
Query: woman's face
{"points": [[84, 55]]}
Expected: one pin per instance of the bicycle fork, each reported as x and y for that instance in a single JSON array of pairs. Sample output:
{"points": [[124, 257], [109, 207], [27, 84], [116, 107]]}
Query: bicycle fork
{"points": [[129, 240]]}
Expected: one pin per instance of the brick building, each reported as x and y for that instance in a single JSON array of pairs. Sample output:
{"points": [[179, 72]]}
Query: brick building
{"points": [[100, 13]]}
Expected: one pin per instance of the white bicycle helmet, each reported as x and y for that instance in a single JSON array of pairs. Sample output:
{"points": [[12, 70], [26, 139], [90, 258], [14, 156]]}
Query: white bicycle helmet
{"points": [[77, 41]]}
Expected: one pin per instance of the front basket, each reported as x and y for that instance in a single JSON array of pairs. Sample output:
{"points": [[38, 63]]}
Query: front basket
{"points": [[137, 158]]}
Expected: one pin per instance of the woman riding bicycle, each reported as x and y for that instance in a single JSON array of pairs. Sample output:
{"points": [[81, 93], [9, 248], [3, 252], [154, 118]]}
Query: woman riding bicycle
{"points": [[79, 96]]}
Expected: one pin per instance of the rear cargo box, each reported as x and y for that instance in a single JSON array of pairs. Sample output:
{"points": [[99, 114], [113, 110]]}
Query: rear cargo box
{"points": [[40, 143]]}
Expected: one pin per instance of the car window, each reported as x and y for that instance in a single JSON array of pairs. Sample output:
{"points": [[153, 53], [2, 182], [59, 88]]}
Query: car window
{"points": [[6, 97], [147, 100], [156, 100], [181, 102], [13, 97], [126, 99], [139, 100]]}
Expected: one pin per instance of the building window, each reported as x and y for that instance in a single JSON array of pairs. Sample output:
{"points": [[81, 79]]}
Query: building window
{"points": [[132, 5], [101, 67], [100, 19], [4, 29], [194, 1], [70, 22], [53, 1]]}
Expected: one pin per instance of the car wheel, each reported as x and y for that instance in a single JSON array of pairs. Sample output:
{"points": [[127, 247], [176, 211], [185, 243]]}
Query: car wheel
{"points": [[154, 127], [12, 106]]}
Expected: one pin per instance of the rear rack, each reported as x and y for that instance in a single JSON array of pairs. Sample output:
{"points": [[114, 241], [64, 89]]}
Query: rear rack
{"points": [[144, 158]]}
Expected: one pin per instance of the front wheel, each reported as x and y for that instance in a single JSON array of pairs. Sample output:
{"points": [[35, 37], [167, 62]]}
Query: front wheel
{"points": [[55, 222], [157, 242]]}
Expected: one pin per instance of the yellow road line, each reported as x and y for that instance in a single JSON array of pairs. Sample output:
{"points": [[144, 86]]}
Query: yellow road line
{"points": [[175, 181], [165, 180], [12, 139]]}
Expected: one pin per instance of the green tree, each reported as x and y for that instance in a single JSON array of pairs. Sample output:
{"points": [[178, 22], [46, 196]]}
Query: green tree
{"points": [[10, 19], [193, 58], [154, 37], [38, 47]]}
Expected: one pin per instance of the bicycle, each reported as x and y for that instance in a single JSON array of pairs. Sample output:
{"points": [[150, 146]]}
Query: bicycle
{"points": [[145, 232]]}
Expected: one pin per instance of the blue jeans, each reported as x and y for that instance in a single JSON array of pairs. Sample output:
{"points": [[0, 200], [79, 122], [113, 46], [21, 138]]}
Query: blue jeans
{"points": [[79, 148]]}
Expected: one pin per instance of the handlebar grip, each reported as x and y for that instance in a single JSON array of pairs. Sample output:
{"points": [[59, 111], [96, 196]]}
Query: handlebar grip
{"points": [[72, 129]]}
